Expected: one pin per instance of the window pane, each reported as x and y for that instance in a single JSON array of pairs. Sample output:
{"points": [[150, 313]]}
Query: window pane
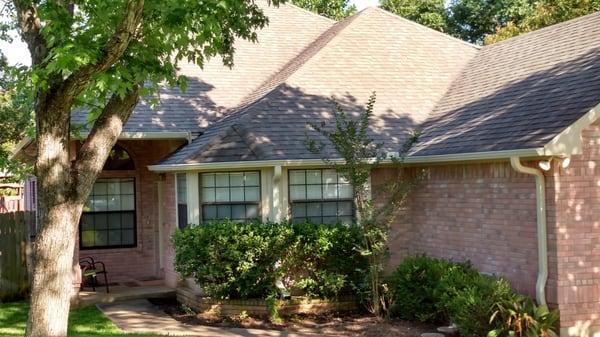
{"points": [[298, 192], [345, 191], [237, 194], [330, 220], [297, 177], [101, 238], [181, 188], [236, 179], [100, 221], [224, 212], [209, 212], [298, 210], [182, 220], [113, 187], [87, 238], [252, 179], [345, 208], [114, 203], [127, 237], [127, 220], [329, 177], [99, 203], [222, 194], [313, 177], [127, 203], [313, 209], [127, 187], [252, 193], [222, 180], [208, 180], [114, 220], [313, 192], [208, 195], [330, 191], [99, 188], [330, 209], [346, 220], [251, 211], [238, 212], [87, 221], [114, 237]]}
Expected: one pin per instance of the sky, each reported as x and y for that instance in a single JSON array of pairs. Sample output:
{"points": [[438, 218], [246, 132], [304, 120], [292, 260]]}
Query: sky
{"points": [[16, 52]]}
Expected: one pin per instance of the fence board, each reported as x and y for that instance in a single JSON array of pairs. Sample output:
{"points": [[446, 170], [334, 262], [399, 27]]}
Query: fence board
{"points": [[14, 250]]}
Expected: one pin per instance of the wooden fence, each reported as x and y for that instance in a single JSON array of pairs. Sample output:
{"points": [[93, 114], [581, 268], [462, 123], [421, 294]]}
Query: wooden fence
{"points": [[15, 232]]}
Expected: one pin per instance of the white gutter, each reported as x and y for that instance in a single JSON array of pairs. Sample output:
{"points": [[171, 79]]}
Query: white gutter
{"points": [[490, 155], [540, 195]]}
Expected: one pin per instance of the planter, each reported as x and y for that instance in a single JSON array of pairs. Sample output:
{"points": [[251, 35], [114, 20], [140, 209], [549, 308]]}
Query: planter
{"points": [[296, 305]]}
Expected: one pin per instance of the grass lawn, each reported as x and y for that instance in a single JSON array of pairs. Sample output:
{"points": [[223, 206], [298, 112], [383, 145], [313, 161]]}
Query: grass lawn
{"points": [[82, 322]]}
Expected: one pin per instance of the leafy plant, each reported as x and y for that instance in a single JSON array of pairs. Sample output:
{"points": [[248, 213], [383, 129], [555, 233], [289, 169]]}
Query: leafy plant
{"points": [[350, 138], [235, 260], [523, 317]]}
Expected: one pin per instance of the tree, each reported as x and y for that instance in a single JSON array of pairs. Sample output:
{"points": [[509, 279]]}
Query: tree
{"points": [[361, 155], [333, 9], [431, 13], [544, 14], [101, 56], [472, 20]]}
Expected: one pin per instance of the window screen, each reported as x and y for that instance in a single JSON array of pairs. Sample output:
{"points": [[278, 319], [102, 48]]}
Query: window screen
{"points": [[230, 195], [108, 218], [320, 196]]}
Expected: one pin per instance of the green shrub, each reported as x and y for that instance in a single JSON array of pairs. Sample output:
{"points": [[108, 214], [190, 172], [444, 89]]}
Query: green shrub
{"points": [[439, 291], [235, 260], [422, 286], [471, 308]]}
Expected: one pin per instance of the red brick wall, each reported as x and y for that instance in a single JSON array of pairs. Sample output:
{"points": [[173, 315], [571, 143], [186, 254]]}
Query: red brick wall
{"points": [[484, 213], [142, 261], [574, 238]]}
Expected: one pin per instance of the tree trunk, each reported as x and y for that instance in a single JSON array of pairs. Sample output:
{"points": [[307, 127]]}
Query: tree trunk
{"points": [[51, 286]]}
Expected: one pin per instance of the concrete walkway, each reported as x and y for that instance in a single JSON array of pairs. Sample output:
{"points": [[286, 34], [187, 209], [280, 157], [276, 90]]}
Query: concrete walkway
{"points": [[141, 316]]}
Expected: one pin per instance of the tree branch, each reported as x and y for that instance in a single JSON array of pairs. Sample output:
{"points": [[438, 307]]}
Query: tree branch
{"points": [[111, 53], [96, 148], [30, 25]]}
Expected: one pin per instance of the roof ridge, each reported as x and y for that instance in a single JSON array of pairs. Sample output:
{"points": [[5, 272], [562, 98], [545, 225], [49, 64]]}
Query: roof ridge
{"points": [[398, 17], [276, 80], [541, 30]]}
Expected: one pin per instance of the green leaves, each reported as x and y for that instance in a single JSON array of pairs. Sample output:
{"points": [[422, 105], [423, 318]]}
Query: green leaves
{"points": [[333, 9]]}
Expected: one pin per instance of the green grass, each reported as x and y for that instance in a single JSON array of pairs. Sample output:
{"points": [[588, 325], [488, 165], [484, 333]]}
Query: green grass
{"points": [[82, 322]]}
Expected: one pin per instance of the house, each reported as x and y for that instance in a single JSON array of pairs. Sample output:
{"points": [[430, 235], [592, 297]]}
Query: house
{"points": [[510, 143], [11, 194]]}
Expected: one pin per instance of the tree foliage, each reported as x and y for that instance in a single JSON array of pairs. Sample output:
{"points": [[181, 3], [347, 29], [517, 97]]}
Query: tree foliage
{"points": [[542, 14], [333, 9], [431, 13], [99, 56]]}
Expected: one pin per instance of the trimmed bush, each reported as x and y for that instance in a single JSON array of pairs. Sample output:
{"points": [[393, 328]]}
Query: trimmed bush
{"points": [[241, 261]]}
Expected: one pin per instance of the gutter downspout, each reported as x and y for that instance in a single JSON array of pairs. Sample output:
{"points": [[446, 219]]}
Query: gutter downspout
{"points": [[540, 194]]}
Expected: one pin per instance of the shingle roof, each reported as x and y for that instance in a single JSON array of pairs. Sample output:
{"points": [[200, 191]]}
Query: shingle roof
{"points": [[520, 93], [216, 88], [409, 66]]}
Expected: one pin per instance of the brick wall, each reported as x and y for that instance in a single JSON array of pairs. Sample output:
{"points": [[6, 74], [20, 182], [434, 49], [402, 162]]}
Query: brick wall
{"points": [[484, 213], [140, 262], [574, 238]]}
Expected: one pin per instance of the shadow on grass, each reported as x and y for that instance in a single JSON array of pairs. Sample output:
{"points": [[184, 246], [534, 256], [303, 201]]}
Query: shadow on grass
{"points": [[82, 322]]}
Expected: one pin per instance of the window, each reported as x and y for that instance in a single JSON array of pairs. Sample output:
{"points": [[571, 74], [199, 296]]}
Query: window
{"points": [[320, 196], [230, 195], [118, 159], [182, 216], [108, 218]]}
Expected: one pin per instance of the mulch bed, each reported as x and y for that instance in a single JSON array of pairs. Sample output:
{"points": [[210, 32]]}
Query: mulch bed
{"points": [[342, 324]]}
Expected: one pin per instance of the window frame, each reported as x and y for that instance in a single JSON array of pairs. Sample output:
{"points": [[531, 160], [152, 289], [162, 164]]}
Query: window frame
{"points": [[134, 212], [258, 203], [322, 201]]}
